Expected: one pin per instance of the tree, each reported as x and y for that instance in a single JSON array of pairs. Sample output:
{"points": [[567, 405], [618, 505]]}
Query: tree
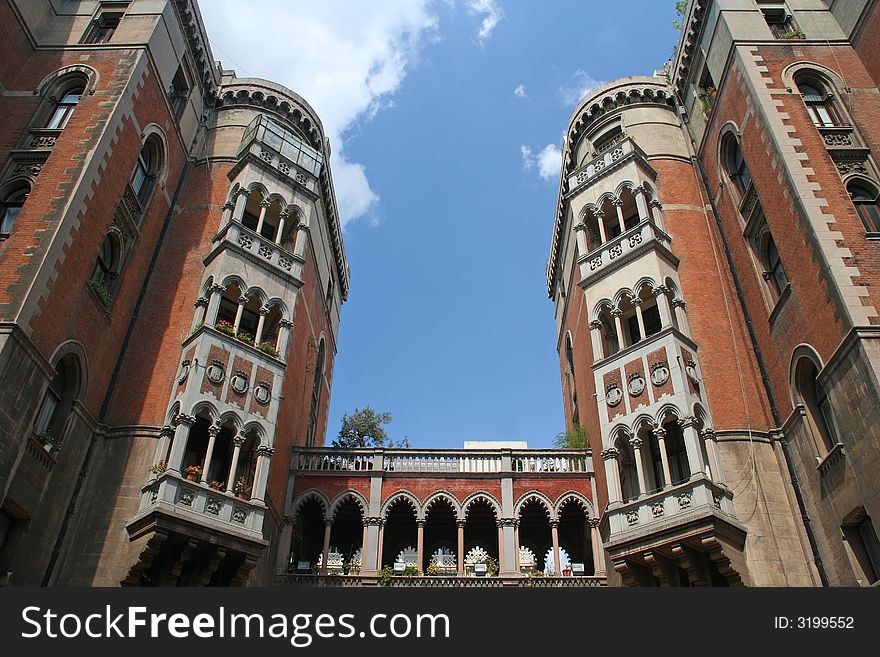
{"points": [[576, 438], [680, 12], [364, 428]]}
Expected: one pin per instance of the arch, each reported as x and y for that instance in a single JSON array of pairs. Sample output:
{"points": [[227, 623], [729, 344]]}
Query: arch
{"points": [[667, 410], [701, 413], [88, 75], [258, 187], [74, 348], [305, 496], [623, 294], [230, 417], [435, 497], [276, 302], [830, 77], [276, 199], [534, 496], [481, 496], [148, 167], [803, 350], [156, 132], [619, 431], [258, 293], [206, 407], [259, 430], [578, 498], [407, 497], [625, 186], [866, 200], [601, 305], [342, 497], [731, 160], [234, 279], [642, 283], [12, 199], [807, 392], [173, 412]]}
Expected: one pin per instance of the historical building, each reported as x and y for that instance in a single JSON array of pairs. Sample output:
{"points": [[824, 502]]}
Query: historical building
{"points": [[171, 274], [715, 268]]}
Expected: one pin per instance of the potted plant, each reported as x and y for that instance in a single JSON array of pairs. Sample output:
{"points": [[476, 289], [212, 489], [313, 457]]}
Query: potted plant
{"points": [[492, 567], [158, 469], [410, 571], [566, 572], [241, 489], [433, 570], [796, 33], [224, 327], [47, 440], [216, 485], [101, 291], [194, 473], [247, 338], [268, 348], [196, 328]]}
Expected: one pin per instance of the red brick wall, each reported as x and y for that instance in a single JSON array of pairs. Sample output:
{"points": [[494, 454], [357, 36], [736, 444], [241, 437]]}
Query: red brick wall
{"points": [[867, 44]]}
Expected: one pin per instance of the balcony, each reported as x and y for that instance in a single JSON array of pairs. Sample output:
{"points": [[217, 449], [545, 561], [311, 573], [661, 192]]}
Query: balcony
{"points": [[42, 139], [623, 249], [663, 511], [277, 147], [442, 461], [439, 581], [616, 155], [256, 248], [190, 507]]}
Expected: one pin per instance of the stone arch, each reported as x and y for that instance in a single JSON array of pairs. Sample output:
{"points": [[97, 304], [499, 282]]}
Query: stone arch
{"points": [[481, 496], [666, 412], [281, 305], [406, 496], [579, 498], [643, 420], [803, 350], [75, 349], [341, 498], [87, 74], [435, 497], [234, 279], [154, 132], [600, 305], [625, 186], [534, 496], [642, 283], [259, 430], [257, 292], [207, 407], [623, 294], [230, 417], [173, 412], [305, 496], [790, 72], [619, 431]]}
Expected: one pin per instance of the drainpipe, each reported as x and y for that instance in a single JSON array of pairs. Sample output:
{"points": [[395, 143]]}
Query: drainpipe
{"points": [[765, 378], [87, 461]]}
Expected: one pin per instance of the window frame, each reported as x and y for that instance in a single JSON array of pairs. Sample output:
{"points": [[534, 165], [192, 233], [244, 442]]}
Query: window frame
{"points": [[871, 222], [102, 27], [10, 203], [63, 109]]}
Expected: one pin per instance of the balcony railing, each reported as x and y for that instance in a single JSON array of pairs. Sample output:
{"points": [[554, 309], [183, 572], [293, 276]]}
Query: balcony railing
{"points": [[261, 248], [284, 151], [613, 157], [439, 581], [42, 138], [202, 505], [620, 249], [679, 503], [443, 461]]}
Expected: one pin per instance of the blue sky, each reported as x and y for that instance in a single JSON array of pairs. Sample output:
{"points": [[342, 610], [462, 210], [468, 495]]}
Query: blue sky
{"points": [[446, 119]]}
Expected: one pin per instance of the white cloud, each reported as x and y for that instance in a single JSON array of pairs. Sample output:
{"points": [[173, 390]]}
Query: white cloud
{"points": [[492, 15], [520, 91], [547, 162], [345, 59], [580, 85]]}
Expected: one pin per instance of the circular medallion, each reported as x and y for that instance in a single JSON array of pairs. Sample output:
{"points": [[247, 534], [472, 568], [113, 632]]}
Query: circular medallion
{"points": [[691, 369], [660, 374], [262, 394], [239, 383], [184, 371], [613, 396], [636, 385], [214, 372]]}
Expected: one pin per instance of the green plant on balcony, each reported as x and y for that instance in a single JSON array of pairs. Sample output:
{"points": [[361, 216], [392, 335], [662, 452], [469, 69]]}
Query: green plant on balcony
{"points": [[433, 570], [158, 468], [385, 576], [47, 440], [193, 472], [101, 291], [351, 567], [268, 348], [247, 338], [197, 327], [491, 567], [241, 489], [796, 33], [216, 485], [410, 571], [224, 327]]}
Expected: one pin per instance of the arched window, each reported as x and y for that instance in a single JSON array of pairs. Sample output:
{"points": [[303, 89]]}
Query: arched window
{"points": [[316, 396], [867, 203], [735, 164], [146, 169], [774, 273], [10, 207], [820, 103], [64, 108], [572, 385], [816, 404], [58, 402], [107, 266]]}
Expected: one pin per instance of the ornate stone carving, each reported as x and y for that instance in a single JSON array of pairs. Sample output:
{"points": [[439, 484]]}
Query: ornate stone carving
{"points": [[262, 393], [245, 240], [239, 383], [685, 500], [285, 263], [265, 251], [690, 368], [613, 395], [632, 517], [636, 384], [657, 509], [213, 506], [609, 454], [214, 372], [659, 373], [240, 514], [838, 139], [635, 442], [184, 371], [182, 418], [186, 496]]}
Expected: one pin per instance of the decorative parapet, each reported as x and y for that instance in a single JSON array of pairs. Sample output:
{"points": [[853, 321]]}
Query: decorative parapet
{"points": [[608, 160], [257, 248], [439, 581], [621, 250]]}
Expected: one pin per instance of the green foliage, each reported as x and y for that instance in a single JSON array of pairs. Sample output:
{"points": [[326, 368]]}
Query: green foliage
{"points": [[364, 428], [387, 574], [681, 7], [576, 438], [410, 571], [796, 33], [101, 292]]}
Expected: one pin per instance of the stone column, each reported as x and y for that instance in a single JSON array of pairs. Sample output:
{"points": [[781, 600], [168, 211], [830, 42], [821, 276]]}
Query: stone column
{"points": [[240, 203], [420, 544], [501, 559], [166, 435], [612, 476], [201, 314], [302, 238], [242, 301], [283, 336], [618, 206], [660, 432], [261, 476], [711, 441], [226, 215], [656, 210], [264, 312], [282, 217], [596, 543], [679, 307], [325, 550], [460, 552], [636, 443], [380, 545], [641, 203], [600, 219], [640, 318], [554, 533], [214, 296], [660, 293], [580, 233], [616, 313], [282, 559], [178, 445], [213, 430], [238, 442], [596, 337], [692, 445], [264, 206]]}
